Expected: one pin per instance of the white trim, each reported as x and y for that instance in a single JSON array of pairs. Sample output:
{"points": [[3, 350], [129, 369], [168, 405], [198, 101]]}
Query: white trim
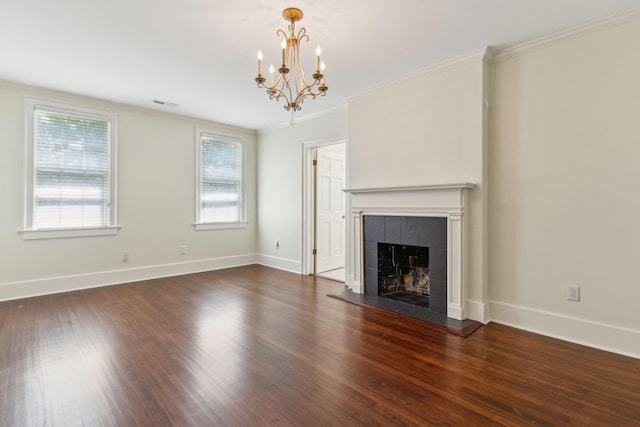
{"points": [[220, 225], [354, 267], [31, 105], [441, 200], [352, 284], [54, 285], [571, 33], [200, 133], [478, 311], [308, 210], [412, 188], [68, 232], [606, 337], [410, 210], [463, 59], [308, 204], [285, 264], [103, 103]]}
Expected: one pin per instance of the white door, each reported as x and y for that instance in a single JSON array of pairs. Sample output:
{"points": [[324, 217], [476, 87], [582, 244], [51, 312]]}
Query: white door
{"points": [[330, 209]]}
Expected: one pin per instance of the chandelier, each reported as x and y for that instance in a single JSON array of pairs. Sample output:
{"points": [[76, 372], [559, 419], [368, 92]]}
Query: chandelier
{"points": [[291, 84]]}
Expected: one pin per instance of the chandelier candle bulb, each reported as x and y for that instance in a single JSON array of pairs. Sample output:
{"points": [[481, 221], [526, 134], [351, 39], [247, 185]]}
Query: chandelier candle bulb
{"points": [[271, 71], [318, 52], [284, 56], [259, 62]]}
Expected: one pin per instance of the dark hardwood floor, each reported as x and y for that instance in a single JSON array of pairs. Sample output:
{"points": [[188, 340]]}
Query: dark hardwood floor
{"points": [[254, 346]]}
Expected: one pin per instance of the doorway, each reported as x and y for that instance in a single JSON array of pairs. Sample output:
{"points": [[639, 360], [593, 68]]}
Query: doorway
{"points": [[325, 234]]}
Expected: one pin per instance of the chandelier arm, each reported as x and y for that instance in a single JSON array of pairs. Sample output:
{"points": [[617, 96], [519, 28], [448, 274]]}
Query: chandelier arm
{"points": [[300, 99], [302, 35], [283, 34], [303, 82], [303, 94], [286, 87], [274, 85], [277, 94]]}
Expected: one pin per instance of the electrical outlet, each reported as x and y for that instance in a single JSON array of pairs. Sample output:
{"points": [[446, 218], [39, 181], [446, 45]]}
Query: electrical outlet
{"points": [[183, 250], [573, 293], [125, 256]]}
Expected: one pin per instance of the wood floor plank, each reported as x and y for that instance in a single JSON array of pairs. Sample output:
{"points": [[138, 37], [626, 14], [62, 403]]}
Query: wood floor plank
{"points": [[254, 346]]}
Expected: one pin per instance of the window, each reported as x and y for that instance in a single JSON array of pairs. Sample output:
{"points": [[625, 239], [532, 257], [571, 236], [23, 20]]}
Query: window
{"points": [[71, 170], [220, 196]]}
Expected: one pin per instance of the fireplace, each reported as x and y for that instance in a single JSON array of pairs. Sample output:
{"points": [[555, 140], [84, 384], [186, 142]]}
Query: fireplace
{"points": [[401, 208], [403, 273], [406, 259]]}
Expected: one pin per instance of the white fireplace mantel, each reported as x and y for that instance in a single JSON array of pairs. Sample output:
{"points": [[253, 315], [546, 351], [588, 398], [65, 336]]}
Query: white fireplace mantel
{"points": [[447, 200]]}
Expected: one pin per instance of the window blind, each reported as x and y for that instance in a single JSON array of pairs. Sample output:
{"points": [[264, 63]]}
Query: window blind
{"points": [[71, 170], [220, 180]]}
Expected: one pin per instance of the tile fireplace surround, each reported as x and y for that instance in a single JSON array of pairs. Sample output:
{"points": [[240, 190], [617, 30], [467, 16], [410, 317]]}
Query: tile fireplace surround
{"points": [[446, 201]]}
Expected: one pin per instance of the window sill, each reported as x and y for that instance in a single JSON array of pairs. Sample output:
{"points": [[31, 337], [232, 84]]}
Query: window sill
{"points": [[61, 233], [219, 225]]}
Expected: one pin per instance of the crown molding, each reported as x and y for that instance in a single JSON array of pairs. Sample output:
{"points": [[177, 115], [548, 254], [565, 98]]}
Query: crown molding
{"points": [[56, 95], [480, 54], [571, 33]]}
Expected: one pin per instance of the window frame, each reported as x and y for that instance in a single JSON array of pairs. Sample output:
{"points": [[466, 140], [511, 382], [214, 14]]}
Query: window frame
{"points": [[30, 232], [242, 222]]}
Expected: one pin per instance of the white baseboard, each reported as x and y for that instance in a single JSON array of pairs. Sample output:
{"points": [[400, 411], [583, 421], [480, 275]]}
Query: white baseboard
{"points": [[285, 264], [580, 331], [454, 311], [477, 311], [354, 284], [54, 285]]}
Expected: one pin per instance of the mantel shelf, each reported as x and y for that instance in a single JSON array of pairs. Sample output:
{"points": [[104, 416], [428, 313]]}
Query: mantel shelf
{"points": [[410, 188]]}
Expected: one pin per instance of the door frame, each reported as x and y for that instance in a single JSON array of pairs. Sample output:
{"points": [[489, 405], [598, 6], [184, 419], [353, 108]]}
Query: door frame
{"points": [[308, 196]]}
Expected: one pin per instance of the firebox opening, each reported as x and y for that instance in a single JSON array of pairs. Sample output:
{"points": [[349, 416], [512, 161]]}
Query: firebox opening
{"points": [[403, 273]]}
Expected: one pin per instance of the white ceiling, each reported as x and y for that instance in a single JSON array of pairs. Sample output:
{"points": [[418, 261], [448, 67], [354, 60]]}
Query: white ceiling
{"points": [[201, 54]]}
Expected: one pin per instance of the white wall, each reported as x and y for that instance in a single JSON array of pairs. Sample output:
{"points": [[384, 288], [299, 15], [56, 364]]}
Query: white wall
{"points": [[424, 130], [428, 130], [156, 206], [564, 178], [280, 181]]}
